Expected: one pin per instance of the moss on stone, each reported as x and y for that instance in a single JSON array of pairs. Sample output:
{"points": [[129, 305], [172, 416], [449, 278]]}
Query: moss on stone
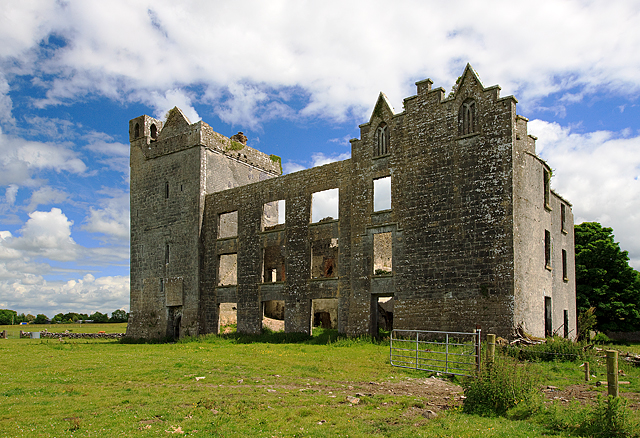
{"points": [[276, 159], [234, 146]]}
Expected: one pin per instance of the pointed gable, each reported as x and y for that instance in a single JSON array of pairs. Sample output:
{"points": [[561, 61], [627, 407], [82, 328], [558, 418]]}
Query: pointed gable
{"points": [[176, 123], [383, 109]]}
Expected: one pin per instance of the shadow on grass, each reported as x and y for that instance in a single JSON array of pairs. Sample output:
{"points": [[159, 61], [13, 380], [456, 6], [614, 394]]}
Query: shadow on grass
{"points": [[320, 337]]}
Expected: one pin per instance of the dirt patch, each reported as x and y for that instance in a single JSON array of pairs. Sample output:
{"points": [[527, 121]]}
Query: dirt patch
{"points": [[586, 394]]}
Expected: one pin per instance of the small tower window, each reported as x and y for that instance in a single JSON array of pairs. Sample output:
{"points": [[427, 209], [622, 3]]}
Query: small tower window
{"points": [[166, 190], [547, 188], [136, 131], [382, 140], [154, 131], [467, 123]]}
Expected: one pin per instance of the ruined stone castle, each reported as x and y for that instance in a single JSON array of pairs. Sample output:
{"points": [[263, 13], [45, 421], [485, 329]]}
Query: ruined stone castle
{"points": [[445, 207]]}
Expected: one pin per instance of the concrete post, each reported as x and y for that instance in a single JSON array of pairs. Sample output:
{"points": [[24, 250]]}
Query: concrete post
{"points": [[612, 372], [491, 347]]}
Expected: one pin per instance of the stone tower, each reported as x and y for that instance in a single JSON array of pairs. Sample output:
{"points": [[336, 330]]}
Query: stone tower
{"points": [[174, 165]]}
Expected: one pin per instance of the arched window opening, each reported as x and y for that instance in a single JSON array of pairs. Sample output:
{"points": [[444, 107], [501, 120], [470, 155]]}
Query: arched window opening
{"points": [[136, 131], [154, 132], [382, 140], [467, 123]]}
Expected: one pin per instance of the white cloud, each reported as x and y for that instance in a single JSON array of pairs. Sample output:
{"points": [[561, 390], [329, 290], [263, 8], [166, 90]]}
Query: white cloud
{"points": [[290, 167], [11, 193], [112, 219], [47, 234], [163, 102], [21, 158], [320, 159], [45, 196], [599, 173], [322, 50]]}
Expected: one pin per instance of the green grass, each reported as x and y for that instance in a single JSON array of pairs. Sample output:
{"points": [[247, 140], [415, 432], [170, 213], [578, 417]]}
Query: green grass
{"points": [[264, 386]]}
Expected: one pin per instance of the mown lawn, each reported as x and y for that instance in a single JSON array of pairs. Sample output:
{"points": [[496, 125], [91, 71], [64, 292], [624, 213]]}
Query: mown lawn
{"points": [[229, 386]]}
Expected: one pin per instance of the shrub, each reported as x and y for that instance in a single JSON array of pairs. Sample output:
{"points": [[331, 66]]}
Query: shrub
{"points": [[609, 418], [601, 338], [554, 349], [499, 387]]}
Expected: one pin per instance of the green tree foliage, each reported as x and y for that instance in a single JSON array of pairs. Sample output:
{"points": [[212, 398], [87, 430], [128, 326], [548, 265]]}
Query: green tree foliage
{"points": [[41, 319], [99, 317], [605, 280], [8, 317], [119, 316]]}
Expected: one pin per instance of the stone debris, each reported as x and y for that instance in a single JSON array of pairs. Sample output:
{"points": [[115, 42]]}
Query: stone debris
{"points": [[353, 400], [429, 414], [71, 335]]}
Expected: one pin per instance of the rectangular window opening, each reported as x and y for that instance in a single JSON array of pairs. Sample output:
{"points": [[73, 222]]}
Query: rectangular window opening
{"points": [[228, 224], [382, 254], [564, 265], [547, 188], [273, 264], [273, 215], [324, 205], [566, 323], [324, 313], [166, 254], [324, 258], [547, 249], [548, 324], [273, 309], [563, 218], [166, 190], [228, 270], [382, 194]]}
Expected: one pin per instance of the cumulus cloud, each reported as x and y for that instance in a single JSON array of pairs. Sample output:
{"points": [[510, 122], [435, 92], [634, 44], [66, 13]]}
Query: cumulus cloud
{"points": [[111, 219], [599, 172], [46, 196], [10, 194], [20, 158], [138, 51], [47, 234], [87, 294]]}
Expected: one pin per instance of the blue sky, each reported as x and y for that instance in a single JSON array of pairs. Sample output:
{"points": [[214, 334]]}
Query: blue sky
{"points": [[297, 78]]}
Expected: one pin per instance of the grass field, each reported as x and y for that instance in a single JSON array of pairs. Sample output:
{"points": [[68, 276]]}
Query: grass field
{"points": [[238, 386]]}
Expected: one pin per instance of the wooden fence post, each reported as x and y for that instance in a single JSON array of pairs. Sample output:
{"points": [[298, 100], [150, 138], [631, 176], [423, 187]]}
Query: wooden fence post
{"points": [[478, 348], [612, 372], [587, 374], [491, 347]]}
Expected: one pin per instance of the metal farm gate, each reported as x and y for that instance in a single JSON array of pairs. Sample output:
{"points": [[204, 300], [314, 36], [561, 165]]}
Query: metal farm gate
{"points": [[444, 352]]}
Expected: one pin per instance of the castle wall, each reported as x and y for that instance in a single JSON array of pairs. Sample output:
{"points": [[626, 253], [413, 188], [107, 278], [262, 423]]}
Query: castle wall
{"points": [[444, 207]]}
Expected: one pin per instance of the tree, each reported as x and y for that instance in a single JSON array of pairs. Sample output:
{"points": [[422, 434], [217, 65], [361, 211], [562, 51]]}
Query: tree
{"points": [[41, 319], [8, 317], [605, 280], [99, 317], [119, 316]]}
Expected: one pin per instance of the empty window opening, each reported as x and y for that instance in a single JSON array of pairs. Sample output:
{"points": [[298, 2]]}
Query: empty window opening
{"points": [[153, 131], [563, 218], [162, 285], [228, 270], [136, 131], [166, 190], [566, 323], [565, 277], [467, 123], [382, 254], [228, 225], [273, 215], [324, 205], [324, 258], [166, 254], [547, 187], [547, 249], [548, 325], [382, 194], [324, 313], [273, 263], [227, 317], [381, 140], [274, 309]]}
